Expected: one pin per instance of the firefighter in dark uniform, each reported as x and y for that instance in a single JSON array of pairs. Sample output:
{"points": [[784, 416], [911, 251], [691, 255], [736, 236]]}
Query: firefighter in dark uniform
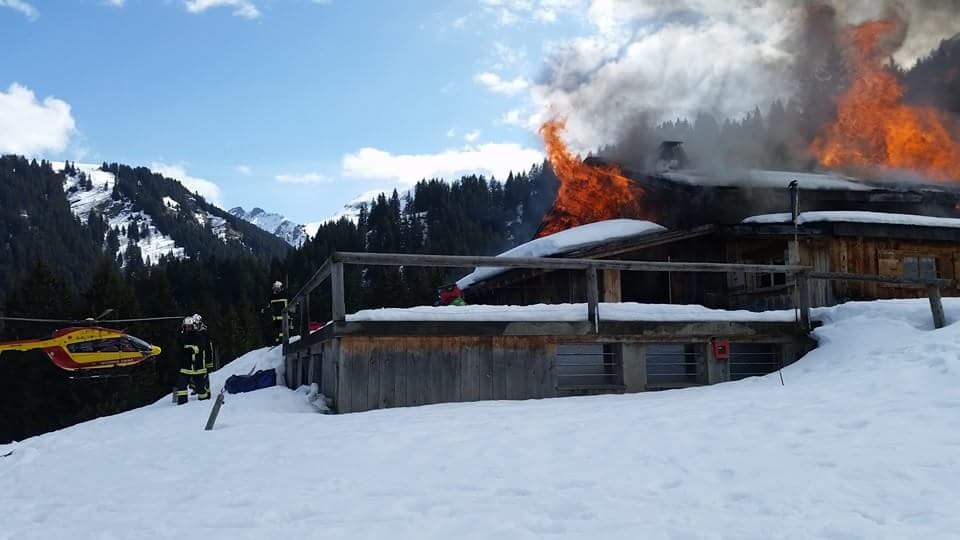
{"points": [[196, 360], [278, 303]]}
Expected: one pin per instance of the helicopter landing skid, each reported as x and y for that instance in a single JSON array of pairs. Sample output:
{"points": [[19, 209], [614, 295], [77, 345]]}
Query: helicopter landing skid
{"points": [[98, 377]]}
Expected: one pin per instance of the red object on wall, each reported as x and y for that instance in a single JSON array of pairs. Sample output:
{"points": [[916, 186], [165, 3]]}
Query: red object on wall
{"points": [[721, 349], [449, 294]]}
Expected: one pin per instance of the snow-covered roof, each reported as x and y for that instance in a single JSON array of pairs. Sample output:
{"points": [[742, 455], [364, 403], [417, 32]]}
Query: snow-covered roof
{"points": [[768, 179], [857, 217], [566, 241], [621, 311]]}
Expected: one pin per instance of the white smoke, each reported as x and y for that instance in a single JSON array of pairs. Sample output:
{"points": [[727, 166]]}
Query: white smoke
{"points": [[665, 59]]}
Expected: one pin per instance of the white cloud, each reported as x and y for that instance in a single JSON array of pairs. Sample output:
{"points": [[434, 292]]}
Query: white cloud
{"points": [[472, 136], [498, 85], [245, 170], [241, 8], [496, 159], [512, 117], [304, 178], [21, 6], [29, 127], [506, 57], [206, 188], [115, 3], [509, 12], [452, 132], [323, 2]]}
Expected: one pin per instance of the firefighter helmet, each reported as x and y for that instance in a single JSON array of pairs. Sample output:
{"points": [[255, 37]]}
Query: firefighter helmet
{"points": [[193, 322], [277, 286]]}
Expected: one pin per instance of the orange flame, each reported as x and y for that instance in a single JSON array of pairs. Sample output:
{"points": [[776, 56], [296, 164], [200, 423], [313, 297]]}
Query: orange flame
{"points": [[588, 192], [874, 128]]}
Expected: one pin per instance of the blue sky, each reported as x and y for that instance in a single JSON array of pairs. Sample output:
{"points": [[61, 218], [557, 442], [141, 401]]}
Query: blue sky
{"points": [[297, 106], [300, 106]]}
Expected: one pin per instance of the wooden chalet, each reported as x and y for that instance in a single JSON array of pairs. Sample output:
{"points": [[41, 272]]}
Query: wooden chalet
{"points": [[613, 314]]}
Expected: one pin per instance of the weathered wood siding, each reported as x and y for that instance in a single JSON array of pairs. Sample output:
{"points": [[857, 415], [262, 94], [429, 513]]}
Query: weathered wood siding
{"points": [[885, 257], [848, 254], [383, 372]]}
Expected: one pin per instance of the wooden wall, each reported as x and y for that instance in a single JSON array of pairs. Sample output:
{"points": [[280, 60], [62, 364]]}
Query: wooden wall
{"points": [[847, 254], [883, 256], [383, 372]]}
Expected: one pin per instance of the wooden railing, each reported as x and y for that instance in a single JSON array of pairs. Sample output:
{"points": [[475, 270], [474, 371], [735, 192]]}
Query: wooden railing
{"points": [[333, 268]]}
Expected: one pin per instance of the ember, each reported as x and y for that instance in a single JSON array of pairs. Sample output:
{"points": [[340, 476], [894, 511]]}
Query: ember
{"points": [[874, 128], [588, 192]]}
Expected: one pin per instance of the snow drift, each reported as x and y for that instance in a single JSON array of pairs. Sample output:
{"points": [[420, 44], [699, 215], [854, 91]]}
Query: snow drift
{"points": [[861, 442]]}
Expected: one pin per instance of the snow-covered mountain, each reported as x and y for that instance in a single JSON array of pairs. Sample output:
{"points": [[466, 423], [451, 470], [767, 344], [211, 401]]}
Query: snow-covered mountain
{"points": [[275, 224], [156, 214]]}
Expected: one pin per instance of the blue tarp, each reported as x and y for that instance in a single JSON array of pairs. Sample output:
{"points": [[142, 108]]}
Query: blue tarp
{"points": [[237, 384]]}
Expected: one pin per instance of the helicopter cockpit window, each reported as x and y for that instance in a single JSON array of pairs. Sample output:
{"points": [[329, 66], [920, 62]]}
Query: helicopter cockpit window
{"points": [[108, 345], [82, 347], [137, 344]]}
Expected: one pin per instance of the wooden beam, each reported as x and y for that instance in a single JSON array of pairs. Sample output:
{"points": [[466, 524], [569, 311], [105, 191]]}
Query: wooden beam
{"points": [[305, 317], [465, 261], [593, 299], [936, 306], [336, 290], [840, 276], [286, 330], [321, 274], [612, 290]]}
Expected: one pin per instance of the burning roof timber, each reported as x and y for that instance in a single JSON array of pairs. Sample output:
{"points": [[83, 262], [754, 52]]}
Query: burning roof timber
{"points": [[684, 199]]}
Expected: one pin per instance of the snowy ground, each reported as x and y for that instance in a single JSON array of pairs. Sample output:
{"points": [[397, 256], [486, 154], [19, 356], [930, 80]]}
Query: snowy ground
{"points": [[862, 442]]}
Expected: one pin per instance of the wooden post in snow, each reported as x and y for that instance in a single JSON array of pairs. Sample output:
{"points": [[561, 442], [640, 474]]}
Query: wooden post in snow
{"points": [[936, 306], [593, 299], [286, 329], [336, 290], [214, 412], [305, 317]]}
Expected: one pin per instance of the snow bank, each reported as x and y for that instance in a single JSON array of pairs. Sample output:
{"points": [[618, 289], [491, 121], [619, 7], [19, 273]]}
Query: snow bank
{"points": [[861, 443], [566, 241], [857, 217], [626, 311]]}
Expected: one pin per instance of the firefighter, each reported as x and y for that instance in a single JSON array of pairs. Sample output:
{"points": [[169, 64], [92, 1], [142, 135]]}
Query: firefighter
{"points": [[196, 360], [278, 303]]}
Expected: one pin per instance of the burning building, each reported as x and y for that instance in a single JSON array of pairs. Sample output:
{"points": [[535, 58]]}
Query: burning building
{"points": [[669, 274]]}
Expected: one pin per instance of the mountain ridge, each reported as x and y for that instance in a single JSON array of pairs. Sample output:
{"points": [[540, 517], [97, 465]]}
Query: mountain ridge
{"points": [[294, 234]]}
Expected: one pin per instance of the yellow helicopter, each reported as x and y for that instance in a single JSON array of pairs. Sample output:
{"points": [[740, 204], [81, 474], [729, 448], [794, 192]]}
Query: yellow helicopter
{"points": [[85, 346]]}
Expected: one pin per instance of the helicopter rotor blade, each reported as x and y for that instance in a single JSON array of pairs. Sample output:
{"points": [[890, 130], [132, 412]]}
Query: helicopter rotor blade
{"points": [[145, 319], [54, 321]]}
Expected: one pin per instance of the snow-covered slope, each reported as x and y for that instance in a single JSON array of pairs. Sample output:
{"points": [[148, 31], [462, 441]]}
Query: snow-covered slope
{"points": [[91, 189], [275, 224], [861, 443]]}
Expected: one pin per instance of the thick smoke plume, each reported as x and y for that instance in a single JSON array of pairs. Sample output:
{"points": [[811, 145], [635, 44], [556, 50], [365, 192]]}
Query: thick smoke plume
{"points": [[704, 61]]}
